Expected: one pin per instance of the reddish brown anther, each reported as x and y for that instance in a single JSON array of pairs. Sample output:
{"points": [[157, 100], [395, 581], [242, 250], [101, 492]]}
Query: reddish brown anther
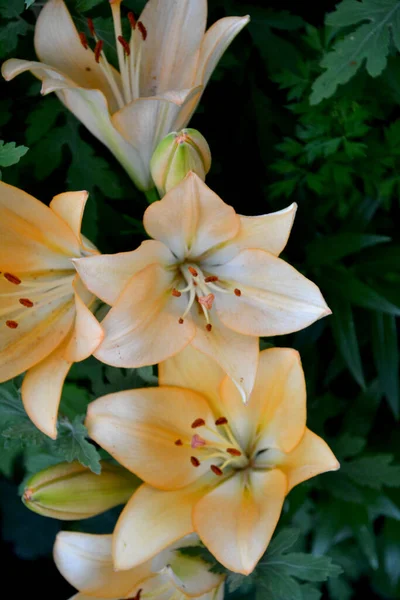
{"points": [[178, 443], [97, 50], [233, 452], [193, 271], [132, 19], [195, 461], [91, 27], [221, 421], [12, 278], [180, 321], [216, 470], [12, 324], [237, 292], [83, 39], [142, 30], [26, 302], [208, 326], [124, 44], [176, 293], [198, 423], [210, 278]]}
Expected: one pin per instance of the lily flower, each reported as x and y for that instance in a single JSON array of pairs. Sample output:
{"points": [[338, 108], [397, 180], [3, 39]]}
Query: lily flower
{"points": [[163, 70], [210, 463], [45, 311], [86, 563], [210, 278]]}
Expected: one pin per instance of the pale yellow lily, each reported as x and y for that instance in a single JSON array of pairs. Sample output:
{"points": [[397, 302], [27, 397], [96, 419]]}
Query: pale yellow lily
{"points": [[210, 463], [163, 71], [86, 563], [211, 278], [45, 318]]}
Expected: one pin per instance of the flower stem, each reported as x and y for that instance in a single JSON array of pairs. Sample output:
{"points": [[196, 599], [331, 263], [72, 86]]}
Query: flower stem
{"points": [[151, 195]]}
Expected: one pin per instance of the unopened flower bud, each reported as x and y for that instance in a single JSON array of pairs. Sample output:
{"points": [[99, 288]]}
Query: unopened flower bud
{"points": [[70, 491], [176, 155]]}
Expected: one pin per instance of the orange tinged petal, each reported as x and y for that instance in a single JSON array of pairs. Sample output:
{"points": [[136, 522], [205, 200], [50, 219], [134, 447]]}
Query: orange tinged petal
{"points": [[87, 333], [70, 207]]}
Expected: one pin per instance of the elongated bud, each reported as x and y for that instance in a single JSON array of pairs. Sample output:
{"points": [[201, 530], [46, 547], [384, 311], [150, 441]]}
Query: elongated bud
{"points": [[176, 155], [70, 491]]}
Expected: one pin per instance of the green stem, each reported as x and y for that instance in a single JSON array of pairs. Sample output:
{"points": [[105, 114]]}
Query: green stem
{"points": [[151, 195]]}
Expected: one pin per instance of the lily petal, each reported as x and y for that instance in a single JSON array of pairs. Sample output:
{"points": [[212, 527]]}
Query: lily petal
{"points": [[236, 520], [32, 236], [267, 232], [142, 328], [70, 207], [106, 275], [236, 354], [146, 121], [42, 388], [151, 521], [275, 298], [140, 427], [191, 219], [170, 52], [310, 457], [85, 561], [278, 400], [57, 43]]}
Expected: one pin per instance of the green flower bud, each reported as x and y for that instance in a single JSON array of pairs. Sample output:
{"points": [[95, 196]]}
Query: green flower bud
{"points": [[70, 491], [176, 155]]}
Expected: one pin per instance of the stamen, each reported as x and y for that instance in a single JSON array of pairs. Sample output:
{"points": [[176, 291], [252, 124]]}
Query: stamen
{"points": [[125, 45], [197, 441], [208, 326], [234, 452], [195, 461], [91, 27], [207, 301], [178, 443], [142, 30], [193, 271], [12, 324], [180, 321], [97, 50], [12, 278], [211, 278], [176, 293], [237, 292], [26, 302], [198, 423], [83, 39], [221, 421], [216, 470], [132, 19]]}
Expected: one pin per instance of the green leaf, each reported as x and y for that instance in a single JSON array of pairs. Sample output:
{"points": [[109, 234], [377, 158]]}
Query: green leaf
{"points": [[42, 119], [344, 333], [11, 8], [347, 445], [309, 592], [72, 444], [373, 471], [283, 541], [29, 3], [369, 42], [328, 249], [84, 5], [386, 356], [10, 153], [305, 566], [9, 33], [275, 585]]}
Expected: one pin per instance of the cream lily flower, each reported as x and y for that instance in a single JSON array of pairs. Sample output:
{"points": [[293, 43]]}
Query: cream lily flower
{"points": [[163, 71], [86, 563], [210, 278], [45, 317], [210, 463]]}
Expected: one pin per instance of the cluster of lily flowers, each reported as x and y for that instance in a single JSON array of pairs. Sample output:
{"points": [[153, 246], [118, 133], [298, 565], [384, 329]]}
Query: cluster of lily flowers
{"points": [[217, 446]]}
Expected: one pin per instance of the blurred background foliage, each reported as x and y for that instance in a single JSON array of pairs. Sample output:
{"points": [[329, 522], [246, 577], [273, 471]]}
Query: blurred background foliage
{"points": [[303, 108]]}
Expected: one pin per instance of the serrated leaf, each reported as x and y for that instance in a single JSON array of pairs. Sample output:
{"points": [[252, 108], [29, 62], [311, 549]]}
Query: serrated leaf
{"points": [[11, 8], [276, 585], [373, 471], [283, 541], [306, 566], [368, 42], [344, 333], [237, 582], [386, 356], [309, 592], [10, 153], [9, 33], [72, 444]]}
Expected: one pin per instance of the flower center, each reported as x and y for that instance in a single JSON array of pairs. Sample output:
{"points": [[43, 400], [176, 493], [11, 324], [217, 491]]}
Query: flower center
{"points": [[202, 288], [217, 444], [129, 55]]}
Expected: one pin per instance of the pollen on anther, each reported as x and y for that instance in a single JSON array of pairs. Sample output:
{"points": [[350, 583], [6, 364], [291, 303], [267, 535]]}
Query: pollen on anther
{"points": [[180, 321], [176, 293], [124, 44], [12, 324], [142, 30], [211, 278], [83, 39], [178, 443], [132, 20], [216, 470], [208, 326], [26, 302], [91, 26], [198, 423], [234, 452], [195, 461], [193, 271], [221, 421], [97, 50], [237, 292], [12, 278]]}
